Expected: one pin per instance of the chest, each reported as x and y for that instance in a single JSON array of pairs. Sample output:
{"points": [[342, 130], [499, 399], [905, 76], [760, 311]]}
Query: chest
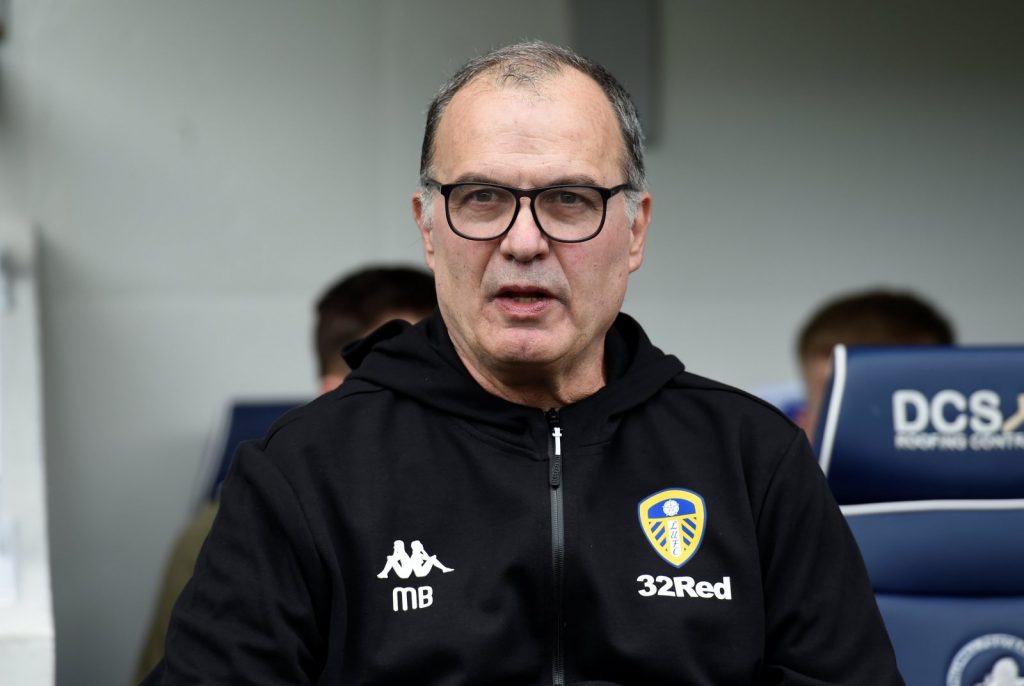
{"points": [[598, 560]]}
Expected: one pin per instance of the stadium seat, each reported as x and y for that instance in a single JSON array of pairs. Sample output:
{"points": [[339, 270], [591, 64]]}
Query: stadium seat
{"points": [[246, 420], [923, 448]]}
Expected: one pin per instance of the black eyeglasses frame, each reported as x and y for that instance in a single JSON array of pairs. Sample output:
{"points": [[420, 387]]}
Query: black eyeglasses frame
{"points": [[531, 193]]}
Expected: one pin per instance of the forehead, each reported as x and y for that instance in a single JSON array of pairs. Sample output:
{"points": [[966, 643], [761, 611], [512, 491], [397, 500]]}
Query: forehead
{"points": [[559, 126]]}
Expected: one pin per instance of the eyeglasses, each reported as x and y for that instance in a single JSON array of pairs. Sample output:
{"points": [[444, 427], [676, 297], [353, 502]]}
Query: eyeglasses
{"points": [[563, 213]]}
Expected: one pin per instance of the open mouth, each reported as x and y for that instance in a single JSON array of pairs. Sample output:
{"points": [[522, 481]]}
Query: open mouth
{"points": [[524, 301], [525, 298], [524, 295]]}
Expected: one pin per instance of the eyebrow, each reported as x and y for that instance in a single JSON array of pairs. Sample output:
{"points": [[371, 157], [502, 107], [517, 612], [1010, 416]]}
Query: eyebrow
{"points": [[580, 180]]}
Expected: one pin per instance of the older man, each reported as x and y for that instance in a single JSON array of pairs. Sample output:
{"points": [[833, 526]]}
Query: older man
{"points": [[581, 509]]}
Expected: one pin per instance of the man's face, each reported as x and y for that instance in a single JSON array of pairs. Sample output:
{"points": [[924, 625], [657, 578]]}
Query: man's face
{"points": [[523, 301]]}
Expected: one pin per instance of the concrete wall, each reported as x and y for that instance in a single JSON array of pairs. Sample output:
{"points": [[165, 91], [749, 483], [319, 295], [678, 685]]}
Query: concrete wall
{"points": [[198, 170], [811, 148]]}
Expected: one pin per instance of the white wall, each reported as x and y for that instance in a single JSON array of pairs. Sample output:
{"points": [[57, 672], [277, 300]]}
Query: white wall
{"points": [[812, 148], [199, 170]]}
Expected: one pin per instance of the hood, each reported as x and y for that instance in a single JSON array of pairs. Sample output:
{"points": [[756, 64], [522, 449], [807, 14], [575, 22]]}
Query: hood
{"points": [[420, 361]]}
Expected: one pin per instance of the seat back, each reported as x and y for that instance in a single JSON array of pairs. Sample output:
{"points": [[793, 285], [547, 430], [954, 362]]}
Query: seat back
{"points": [[923, 448], [246, 420]]}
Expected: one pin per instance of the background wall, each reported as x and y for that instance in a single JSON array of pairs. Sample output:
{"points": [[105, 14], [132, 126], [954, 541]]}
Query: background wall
{"points": [[198, 170]]}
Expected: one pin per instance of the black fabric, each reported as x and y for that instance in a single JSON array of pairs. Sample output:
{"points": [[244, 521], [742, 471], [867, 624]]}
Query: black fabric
{"points": [[410, 448]]}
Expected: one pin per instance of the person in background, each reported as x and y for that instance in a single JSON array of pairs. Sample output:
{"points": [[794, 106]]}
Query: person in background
{"points": [[578, 506], [361, 302], [347, 310], [871, 317]]}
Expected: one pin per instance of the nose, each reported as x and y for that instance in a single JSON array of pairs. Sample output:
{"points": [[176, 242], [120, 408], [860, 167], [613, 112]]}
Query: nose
{"points": [[524, 241]]}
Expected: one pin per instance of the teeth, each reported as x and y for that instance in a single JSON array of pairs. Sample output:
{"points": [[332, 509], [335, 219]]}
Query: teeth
{"points": [[526, 298]]}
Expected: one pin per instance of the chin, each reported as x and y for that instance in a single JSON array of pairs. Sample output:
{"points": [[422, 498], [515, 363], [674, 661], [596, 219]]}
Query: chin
{"points": [[528, 349]]}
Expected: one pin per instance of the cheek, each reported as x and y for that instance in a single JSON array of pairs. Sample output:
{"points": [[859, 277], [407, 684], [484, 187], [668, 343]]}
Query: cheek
{"points": [[449, 281], [608, 269], [458, 268], [598, 287]]}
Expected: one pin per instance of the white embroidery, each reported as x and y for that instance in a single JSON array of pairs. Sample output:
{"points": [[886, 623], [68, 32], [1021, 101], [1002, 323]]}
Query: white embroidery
{"points": [[405, 565], [1004, 673], [1005, 670]]}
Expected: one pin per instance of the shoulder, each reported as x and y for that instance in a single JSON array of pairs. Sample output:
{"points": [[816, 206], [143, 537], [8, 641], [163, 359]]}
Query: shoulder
{"points": [[303, 445], [325, 417], [741, 429], [728, 401]]}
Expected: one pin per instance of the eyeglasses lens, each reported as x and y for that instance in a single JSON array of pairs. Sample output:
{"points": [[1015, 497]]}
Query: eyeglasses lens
{"points": [[565, 213]]}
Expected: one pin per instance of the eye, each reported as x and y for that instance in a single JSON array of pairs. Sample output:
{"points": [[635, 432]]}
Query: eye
{"points": [[575, 199], [483, 195], [478, 196]]}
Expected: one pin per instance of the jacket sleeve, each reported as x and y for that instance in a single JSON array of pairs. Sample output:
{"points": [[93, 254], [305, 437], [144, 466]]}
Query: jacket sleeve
{"points": [[823, 627], [248, 615]]}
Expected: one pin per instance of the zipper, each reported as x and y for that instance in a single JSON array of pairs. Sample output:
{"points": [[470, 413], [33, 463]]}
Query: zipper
{"points": [[557, 547]]}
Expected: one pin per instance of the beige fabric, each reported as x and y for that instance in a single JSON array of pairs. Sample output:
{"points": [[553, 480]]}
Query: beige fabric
{"points": [[176, 574]]}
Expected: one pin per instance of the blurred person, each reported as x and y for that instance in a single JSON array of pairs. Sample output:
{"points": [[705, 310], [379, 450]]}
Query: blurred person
{"points": [[361, 302], [871, 317], [347, 310], [554, 470]]}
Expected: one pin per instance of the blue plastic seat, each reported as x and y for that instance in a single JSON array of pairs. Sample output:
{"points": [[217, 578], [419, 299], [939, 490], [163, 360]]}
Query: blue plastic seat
{"points": [[923, 448], [247, 420]]}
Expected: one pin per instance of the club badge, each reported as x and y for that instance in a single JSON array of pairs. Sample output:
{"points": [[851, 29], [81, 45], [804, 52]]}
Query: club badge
{"points": [[989, 660], [673, 522]]}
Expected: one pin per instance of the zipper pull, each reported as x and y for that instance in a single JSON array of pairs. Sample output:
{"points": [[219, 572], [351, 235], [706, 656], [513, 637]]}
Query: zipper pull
{"points": [[555, 450]]}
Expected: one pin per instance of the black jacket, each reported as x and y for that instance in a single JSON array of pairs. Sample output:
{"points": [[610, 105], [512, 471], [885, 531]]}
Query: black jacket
{"points": [[410, 528]]}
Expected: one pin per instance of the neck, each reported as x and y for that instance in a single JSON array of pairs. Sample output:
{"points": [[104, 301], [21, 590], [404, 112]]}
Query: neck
{"points": [[328, 382], [544, 386]]}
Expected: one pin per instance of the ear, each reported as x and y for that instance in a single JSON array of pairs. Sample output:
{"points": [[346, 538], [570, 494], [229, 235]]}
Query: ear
{"points": [[638, 232], [425, 224]]}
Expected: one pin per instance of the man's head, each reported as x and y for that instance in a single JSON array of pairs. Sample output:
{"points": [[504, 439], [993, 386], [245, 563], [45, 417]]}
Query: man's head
{"points": [[525, 64], [359, 303], [876, 317], [524, 309]]}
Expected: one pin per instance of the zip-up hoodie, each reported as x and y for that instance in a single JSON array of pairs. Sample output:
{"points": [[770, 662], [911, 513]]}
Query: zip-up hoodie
{"points": [[410, 528]]}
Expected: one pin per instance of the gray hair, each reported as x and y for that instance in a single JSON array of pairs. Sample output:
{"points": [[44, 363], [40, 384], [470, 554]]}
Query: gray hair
{"points": [[526, 64]]}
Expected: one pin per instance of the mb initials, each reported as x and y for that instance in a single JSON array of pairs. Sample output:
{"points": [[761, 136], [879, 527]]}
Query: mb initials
{"points": [[403, 598]]}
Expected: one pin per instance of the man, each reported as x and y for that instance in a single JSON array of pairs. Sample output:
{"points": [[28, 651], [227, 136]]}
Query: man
{"points": [[872, 317], [346, 311], [359, 303], [601, 515]]}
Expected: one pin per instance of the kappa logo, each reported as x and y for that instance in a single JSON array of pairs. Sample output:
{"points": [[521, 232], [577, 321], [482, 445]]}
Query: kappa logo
{"points": [[951, 420], [990, 660], [673, 521], [405, 565]]}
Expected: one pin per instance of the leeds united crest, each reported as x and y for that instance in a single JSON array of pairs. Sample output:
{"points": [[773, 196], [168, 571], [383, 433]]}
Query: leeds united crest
{"points": [[673, 521]]}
